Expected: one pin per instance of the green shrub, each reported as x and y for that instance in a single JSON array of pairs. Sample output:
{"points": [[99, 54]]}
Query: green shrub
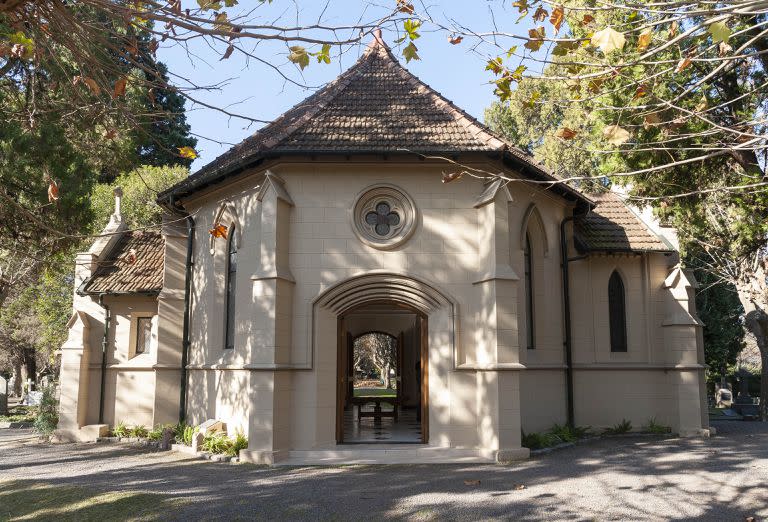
{"points": [[240, 442], [121, 430], [655, 427], [623, 427], [139, 432], [47, 415], [217, 443]]}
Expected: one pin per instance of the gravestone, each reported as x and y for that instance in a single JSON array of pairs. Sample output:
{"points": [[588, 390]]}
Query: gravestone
{"points": [[745, 404], [33, 398], [3, 396]]}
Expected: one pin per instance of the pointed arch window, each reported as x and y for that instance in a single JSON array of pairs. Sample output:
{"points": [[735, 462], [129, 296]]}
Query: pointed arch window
{"points": [[229, 305], [529, 317], [617, 313]]}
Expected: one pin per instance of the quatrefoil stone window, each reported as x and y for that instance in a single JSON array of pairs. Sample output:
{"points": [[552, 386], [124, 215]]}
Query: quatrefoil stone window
{"points": [[384, 216]]}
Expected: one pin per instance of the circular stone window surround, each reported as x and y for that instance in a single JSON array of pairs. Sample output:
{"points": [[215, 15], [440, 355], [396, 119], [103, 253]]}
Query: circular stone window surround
{"points": [[384, 216]]}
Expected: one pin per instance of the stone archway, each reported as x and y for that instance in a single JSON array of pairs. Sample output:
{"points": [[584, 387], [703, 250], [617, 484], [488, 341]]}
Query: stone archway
{"points": [[439, 331]]}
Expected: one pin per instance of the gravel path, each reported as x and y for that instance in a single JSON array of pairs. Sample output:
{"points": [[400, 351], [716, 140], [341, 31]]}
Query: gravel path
{"points": [[631, 478]]}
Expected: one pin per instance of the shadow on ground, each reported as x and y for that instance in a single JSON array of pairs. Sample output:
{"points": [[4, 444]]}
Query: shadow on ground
{"points": [[722, 478]]}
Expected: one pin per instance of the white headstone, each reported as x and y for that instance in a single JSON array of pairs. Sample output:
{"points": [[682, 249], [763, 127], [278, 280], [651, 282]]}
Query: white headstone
{"points": [[3, 396]]}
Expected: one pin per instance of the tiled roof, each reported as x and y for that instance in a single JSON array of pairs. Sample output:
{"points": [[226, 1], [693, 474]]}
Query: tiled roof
{"points": [[375, 107], [122, 273], [613, 227]]}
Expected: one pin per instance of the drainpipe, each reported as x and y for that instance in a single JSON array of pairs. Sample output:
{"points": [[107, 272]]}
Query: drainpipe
{"points": [[104, 344], [187, 308], [567, 343]]}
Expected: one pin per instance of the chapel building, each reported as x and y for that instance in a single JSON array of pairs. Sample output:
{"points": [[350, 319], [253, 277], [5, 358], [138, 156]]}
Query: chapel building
{"points": [[503, 300]]}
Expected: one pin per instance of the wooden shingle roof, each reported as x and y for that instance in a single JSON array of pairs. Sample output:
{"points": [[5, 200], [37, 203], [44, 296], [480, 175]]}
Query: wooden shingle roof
{"points": [[135, 265], [613, 227]]}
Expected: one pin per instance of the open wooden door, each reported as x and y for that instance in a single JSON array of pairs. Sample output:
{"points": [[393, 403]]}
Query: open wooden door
{"points": [[424, 369], [399, 368]]}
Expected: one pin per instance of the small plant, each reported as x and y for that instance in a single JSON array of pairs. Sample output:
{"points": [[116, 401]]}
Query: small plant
{"points": [[139, 432], [121, 430], [240, 442], [623, 427], [47, 415], [655, 427], [217, 443], [156, 433], [569, 433], [187, 435], [539, 440]]}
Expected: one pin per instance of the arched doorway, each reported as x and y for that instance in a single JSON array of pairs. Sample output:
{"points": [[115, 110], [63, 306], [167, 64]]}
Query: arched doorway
{"points": [[382, 395]]}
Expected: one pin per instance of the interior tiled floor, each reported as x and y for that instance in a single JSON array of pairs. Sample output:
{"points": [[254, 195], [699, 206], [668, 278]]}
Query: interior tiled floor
{"points": [[386, 430]]}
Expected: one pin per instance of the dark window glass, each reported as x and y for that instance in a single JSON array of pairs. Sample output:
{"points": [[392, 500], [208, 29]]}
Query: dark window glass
{"points": [[143, 334], [529, 294], [617, 313], [230, 287]]}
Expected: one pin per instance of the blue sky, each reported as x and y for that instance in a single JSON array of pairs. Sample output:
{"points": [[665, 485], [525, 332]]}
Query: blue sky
{"points": [[258, 91]]}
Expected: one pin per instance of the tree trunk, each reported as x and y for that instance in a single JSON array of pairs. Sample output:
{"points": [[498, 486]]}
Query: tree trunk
{"points": [[17, 377], [756, 321]]}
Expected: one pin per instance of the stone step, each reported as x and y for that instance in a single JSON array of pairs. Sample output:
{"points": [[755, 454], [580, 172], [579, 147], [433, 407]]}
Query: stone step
{"points": [[385, 454]]}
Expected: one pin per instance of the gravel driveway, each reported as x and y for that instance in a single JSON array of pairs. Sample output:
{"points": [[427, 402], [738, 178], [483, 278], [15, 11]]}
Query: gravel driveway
{"points": [[631, 478]]}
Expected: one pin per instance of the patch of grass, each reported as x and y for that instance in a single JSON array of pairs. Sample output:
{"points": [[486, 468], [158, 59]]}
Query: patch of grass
{"points": [[139, 432], [569, 433], [539, 440], [624, 426], [157, 432], [20, 414], [30, 500], [120, 430], [375, 392], [557, 434], [655, 427]]}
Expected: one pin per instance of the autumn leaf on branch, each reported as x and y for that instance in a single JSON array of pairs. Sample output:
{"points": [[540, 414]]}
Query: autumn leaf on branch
{"points": [[219, 231], [53, 189], [558, 14], [540, 14], [536, 38], [299, 56], [228, 52], [187, 152], [455, 40], [615, 135], [566, 133], [131, 257], [608, 40], [409, 53], [451, 176], [119, 89], [404, 6], [644, 40]]}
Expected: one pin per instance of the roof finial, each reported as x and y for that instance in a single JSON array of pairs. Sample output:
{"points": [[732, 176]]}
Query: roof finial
{"points": [[118, 193], [377, 39]]}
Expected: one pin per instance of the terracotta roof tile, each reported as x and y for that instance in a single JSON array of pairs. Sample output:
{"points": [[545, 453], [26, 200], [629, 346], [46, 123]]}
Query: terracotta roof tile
{"points": [[613, 227], [376, 106], [117, 275]]}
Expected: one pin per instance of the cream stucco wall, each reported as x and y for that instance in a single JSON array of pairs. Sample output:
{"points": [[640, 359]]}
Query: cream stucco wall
{"points": [[300, 266]]}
